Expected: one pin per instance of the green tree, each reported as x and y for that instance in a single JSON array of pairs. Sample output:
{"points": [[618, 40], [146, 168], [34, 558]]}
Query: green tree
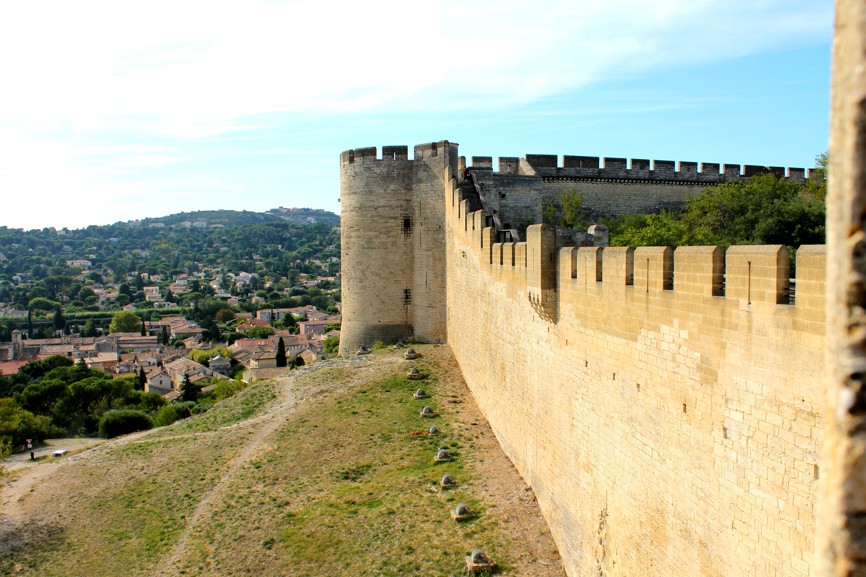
{"points": [[281, 353], [88, 399], [202, 356], [764, 210], [89, 330], [573, 214], [59, 320], [18, 425], [124, 322], [85, 293], [822, 161], [189, 391], [165, 416], [224, 315], [122, 422], [40, 396], [5, 450], [331, 345], [42, 304], [260, 332], [566, 212]]}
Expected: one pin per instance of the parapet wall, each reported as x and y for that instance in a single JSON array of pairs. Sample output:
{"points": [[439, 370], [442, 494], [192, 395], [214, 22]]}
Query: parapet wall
{"points": [[665, 405], [549, 166], [617, 186]]}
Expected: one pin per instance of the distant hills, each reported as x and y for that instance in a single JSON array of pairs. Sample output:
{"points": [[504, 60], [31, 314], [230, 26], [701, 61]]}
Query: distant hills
{"points": [[244, 217]]}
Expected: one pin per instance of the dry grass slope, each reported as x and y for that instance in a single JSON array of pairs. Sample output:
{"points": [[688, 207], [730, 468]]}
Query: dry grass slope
{"points": [[321, 472]]}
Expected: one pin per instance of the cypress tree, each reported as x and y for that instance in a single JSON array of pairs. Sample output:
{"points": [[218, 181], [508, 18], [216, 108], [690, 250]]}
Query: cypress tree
{"points": [[281, 353], [188, 391]]}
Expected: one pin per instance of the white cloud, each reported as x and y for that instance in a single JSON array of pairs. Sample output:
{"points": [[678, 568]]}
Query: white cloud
{"points": [[193, 68], [78, 75]]}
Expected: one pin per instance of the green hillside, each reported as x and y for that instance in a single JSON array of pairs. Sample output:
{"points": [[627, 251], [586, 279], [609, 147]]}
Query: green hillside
{"points": [[244, 217]]}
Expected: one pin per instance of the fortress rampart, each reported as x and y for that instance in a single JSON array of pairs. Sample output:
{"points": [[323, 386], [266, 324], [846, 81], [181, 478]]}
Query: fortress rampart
{"points": [[615, 186], [664, 405]]}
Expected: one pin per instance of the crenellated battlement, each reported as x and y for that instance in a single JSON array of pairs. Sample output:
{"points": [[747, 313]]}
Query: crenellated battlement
{"points": [[394, 153], [744, 274], [551, 166]]}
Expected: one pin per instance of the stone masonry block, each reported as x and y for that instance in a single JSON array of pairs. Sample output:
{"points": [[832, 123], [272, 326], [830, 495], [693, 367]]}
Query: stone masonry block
{"points": [[653, 268], [757, 274], [698, 270]]}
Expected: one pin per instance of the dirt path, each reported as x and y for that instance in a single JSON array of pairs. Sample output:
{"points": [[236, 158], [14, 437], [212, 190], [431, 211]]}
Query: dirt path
{"points": [[290, 398], [270, 421]]}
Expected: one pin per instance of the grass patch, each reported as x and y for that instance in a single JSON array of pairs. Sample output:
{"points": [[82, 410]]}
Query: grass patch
{"points": [[349, 490], [244, 405], [125, 509]]}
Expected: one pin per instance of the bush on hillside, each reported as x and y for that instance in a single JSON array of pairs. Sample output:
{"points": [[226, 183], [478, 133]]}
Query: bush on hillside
{"points": [[225, 388], [184, 409], [123, 421], [165, 416]]}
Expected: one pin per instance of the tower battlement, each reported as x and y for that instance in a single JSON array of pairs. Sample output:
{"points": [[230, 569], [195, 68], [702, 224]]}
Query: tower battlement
{"points": [[390, 153]]}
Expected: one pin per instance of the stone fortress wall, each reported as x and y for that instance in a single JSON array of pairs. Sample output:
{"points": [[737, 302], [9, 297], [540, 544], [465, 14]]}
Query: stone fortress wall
{"points": [[610, 186], [665, 406]]}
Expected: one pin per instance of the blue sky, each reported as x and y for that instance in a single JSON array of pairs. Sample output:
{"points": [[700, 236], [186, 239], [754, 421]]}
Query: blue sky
{"points": [[111, 111]]}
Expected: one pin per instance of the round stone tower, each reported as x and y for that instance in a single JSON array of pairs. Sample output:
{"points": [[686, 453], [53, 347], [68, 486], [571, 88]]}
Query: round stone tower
{"points": [[393, 243]]}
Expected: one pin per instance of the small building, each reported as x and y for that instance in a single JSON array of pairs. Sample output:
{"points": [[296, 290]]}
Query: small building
{"points": [[220, 364], [158, 382], [264, 360], [315, 327]]}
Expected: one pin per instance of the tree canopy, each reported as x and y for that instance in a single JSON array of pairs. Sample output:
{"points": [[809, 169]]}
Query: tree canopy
{"points": [[765, 210], [125, 322]]}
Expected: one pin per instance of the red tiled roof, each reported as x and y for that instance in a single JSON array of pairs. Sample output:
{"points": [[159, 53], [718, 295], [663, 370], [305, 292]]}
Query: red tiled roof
{"points": [[11, 367]]}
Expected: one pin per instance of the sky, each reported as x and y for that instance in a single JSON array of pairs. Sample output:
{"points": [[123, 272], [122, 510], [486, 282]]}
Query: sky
{"points": [[112, 111]]}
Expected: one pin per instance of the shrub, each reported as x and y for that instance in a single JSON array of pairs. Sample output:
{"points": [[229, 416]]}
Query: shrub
{"points": [[184, 408], [331, 345], [123, 421], [226, 388], [165, 416]]}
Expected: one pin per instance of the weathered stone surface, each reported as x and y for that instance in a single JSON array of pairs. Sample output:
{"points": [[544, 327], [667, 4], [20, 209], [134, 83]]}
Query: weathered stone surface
{"points": [[842, 530], [392, 228], [442, 455], [462, 512], [429, 413], [447, 481]]}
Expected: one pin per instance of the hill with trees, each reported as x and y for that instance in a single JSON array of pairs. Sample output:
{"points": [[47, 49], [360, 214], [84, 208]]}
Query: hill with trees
{"points": [[245, 217], [57, 276]]}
